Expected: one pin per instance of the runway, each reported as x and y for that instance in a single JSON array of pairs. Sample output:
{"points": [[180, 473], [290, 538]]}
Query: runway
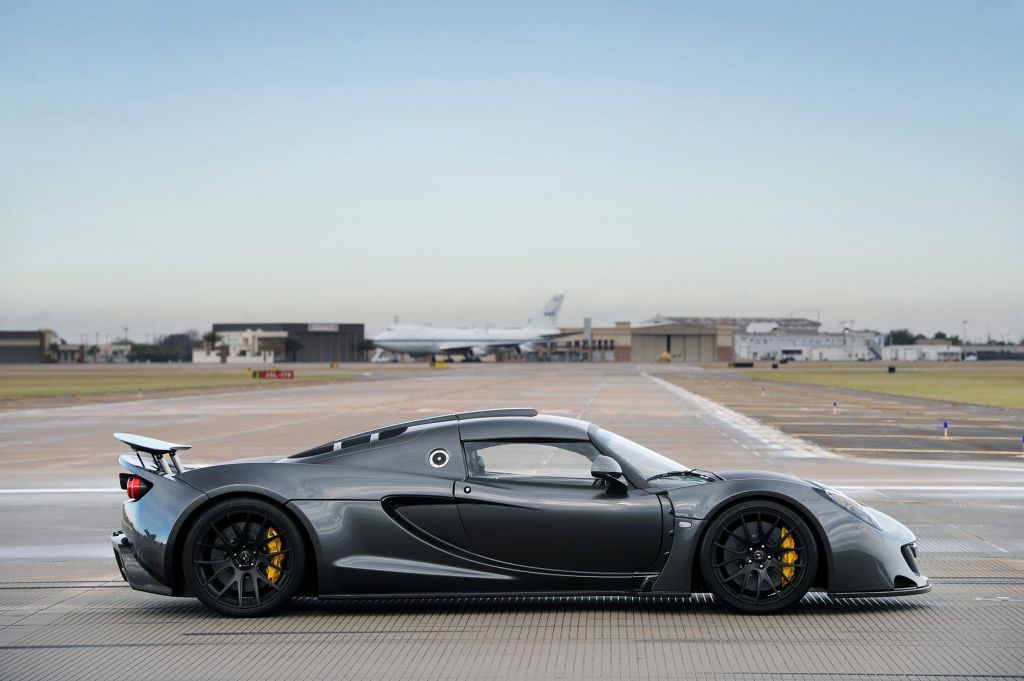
{"points": [[65, 614]]}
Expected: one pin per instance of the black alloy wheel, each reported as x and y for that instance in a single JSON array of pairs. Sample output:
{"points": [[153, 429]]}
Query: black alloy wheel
{"points": [[759, 557], [244, 557]]}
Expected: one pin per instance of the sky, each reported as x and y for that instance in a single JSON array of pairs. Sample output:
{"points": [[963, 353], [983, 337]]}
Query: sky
{"points": [[165, 166]]}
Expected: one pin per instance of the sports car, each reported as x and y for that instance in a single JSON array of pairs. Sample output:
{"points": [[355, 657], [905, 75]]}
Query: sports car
{"points": [[495, 502]]}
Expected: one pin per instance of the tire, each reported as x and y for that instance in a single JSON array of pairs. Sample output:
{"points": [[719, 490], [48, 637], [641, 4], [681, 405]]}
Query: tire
{"points": [[758, 557], [244, 557]]}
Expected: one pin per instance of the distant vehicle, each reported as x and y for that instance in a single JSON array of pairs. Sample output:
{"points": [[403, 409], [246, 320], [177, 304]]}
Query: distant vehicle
{"points": [[493, 502], [971, 358], [473, 342]]}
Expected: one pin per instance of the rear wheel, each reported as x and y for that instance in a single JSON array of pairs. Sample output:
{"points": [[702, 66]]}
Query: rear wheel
{"points": [[244, 557], [759, 557]]}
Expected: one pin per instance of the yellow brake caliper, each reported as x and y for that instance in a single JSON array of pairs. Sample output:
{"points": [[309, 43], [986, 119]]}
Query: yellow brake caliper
{"points": [[788, 556], [274, 546]]}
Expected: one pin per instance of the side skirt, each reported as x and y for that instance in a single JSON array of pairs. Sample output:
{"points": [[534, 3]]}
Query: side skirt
{"points": [[506, 595]]}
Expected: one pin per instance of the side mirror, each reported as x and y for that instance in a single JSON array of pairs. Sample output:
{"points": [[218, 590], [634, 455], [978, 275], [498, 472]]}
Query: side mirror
{"points": [[608, 469]]}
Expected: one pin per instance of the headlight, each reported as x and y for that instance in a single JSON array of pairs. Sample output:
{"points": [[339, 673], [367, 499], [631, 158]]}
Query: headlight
{"points": [[851, 507]]}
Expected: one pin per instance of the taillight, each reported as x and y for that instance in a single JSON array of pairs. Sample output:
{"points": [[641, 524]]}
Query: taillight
{"points": [[134, 486]]}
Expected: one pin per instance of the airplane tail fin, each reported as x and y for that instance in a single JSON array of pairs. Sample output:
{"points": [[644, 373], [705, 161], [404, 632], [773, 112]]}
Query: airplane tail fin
{"points": [[547, 318]]}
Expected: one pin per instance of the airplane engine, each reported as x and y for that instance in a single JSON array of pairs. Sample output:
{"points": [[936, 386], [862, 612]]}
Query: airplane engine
{"points": [[527, 348], [478, 351]]}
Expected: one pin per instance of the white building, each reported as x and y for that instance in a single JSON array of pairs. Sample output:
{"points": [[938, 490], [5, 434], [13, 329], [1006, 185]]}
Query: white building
{"points": [[757, 342], [922, 353], [252, 346], [115, 352]]}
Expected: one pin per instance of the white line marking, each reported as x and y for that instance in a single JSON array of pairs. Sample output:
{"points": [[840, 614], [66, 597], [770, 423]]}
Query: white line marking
{"points": [[774, 439]]}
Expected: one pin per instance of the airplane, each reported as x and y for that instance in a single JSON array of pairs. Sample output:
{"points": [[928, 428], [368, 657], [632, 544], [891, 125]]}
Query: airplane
{"points": [[472, 343]]}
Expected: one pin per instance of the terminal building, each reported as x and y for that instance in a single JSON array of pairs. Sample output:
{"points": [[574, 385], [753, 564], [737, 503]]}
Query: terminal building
{"points": [[923, 352], [846, 346], [263, 343]]}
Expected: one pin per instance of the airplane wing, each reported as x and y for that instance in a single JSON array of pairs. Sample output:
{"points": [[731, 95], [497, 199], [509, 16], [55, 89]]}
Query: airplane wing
{"points": [[483, 344], [561, 334], [452, 347], [456, 347]]}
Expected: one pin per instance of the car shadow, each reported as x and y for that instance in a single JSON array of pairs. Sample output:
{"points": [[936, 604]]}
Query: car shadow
{"points": [[816, 603]]}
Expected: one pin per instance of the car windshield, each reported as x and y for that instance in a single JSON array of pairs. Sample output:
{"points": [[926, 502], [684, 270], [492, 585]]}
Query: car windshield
{"points": [[647, 462]]}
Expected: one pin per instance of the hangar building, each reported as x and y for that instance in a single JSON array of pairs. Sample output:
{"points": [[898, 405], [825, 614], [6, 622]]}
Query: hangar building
{"points": [[684, 340], [27, 347]]}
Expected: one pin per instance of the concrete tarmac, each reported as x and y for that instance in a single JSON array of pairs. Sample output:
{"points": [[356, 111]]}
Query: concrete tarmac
{"points": [[868, 424], [65, 614]]}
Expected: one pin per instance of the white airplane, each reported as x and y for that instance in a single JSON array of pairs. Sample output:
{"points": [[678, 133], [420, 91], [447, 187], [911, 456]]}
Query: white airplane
{"points": [[475, 342]]}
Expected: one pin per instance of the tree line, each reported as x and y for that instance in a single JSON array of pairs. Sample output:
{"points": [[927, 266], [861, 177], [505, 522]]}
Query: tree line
{"points": [[907, 337], [176, 347]]}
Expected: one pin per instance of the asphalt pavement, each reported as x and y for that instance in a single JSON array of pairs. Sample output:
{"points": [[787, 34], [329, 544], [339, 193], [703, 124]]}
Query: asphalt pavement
{"points": [[65, 614]]}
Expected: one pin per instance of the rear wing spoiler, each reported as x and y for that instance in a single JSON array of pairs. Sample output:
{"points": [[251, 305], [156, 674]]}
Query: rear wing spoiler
{"points": [[158, 449]]}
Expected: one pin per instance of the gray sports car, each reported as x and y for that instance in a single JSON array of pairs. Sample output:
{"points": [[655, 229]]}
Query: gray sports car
{"points": [[493, 502]]}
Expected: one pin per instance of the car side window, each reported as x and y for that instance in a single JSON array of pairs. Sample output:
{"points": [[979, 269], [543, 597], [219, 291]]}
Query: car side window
{"points": [[531, 461]]}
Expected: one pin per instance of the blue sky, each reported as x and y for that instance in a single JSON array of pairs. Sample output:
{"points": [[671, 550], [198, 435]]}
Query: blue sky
{"points": [[168, 165]]}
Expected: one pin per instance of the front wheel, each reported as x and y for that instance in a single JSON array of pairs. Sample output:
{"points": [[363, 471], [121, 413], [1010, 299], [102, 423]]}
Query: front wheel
{"points": [[244, 557], [759, 557]]}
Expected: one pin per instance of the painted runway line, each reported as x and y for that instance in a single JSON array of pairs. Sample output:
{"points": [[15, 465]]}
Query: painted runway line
{"points": [[781, 443]]}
